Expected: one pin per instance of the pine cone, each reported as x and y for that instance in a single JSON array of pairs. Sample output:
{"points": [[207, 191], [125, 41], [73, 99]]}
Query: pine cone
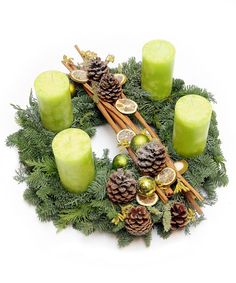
{"points": [[109, 89], [121, 186], [179, 216], [138, 221], [151, 158], [96, 69]]}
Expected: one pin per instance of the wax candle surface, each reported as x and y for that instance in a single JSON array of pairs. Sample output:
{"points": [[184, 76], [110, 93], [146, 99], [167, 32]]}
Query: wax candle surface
{"points": [[191, 124], [74, 159], [157, 68], [55, 106]]}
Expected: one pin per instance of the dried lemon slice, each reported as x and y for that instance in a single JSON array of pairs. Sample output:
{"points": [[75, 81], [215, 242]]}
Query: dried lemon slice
{"points": [[79, 76], [125, 135], [166, 177], [126, 106], [147, 201], [121, 78], [181, 166]]}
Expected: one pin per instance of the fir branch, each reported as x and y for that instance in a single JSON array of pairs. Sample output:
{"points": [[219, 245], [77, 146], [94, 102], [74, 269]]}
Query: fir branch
{"points": [[147, 239], [47, 165], [166, 220], [67, 217], [124, 238]]}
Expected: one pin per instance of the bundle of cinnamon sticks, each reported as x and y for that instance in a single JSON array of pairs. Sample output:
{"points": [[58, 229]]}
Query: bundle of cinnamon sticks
{"points": [[119, 121]]}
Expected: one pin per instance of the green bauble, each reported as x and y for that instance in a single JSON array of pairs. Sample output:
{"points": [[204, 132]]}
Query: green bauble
{"points": [[72, 88], [120, 161], [146, 186], [138, 141]]}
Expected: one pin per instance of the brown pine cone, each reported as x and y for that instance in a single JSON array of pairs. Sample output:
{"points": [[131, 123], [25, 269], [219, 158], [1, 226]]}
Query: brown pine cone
{"points": [[151, 158], [96, 69], [179, 216], [121, 186], [109, 88], [138, 222]]}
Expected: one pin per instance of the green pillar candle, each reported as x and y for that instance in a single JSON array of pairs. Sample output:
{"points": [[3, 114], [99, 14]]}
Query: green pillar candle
{"points": [[53, 92], [73, 154], [157, 68], [191, 125]]}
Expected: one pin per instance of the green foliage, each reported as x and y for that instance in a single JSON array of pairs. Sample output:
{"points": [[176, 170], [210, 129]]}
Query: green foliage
{"points": [[92, 211], [147, 239], [124, 238], [166, 220]]}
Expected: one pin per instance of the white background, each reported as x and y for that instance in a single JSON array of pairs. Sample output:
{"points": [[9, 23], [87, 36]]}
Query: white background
{"points": [[34, 36]]}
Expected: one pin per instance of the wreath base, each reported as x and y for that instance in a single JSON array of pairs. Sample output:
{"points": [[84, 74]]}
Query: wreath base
{"points": [[92, 211]]}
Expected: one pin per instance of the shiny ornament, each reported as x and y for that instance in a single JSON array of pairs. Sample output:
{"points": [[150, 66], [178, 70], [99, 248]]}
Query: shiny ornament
{"points": [[146, 186], [120, 161], [138, 141], [72, 89]]}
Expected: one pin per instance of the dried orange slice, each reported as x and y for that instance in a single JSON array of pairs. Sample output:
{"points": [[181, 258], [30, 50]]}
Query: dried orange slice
{"points": [[79, 76], [181, 166], [166, 177], [147, 201], [126, 106], [125, 135], [121, 78]]}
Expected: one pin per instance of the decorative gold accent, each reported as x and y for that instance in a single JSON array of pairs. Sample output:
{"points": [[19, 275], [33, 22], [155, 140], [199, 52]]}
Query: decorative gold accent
{"points": [[121, 216], [88, 55], [191, 216], [110, 58], [180, 188]]}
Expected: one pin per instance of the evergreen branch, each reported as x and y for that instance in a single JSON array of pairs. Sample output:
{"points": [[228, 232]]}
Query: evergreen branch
{"points": [[166, 220]]}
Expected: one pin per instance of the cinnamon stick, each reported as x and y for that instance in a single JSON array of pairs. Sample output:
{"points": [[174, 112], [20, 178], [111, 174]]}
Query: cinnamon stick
{"points": [[117, 119], [191, 200], [168, 192], [161, 194], [122, 121], [79, 51], [110, 108], [121, 116]]}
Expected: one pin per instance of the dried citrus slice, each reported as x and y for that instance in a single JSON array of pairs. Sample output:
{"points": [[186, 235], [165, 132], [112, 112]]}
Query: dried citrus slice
{"points": [[147, 201], [166, 177], [125, 135], [181, 166], [121, 78], [79, 76], [126, 106]]}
